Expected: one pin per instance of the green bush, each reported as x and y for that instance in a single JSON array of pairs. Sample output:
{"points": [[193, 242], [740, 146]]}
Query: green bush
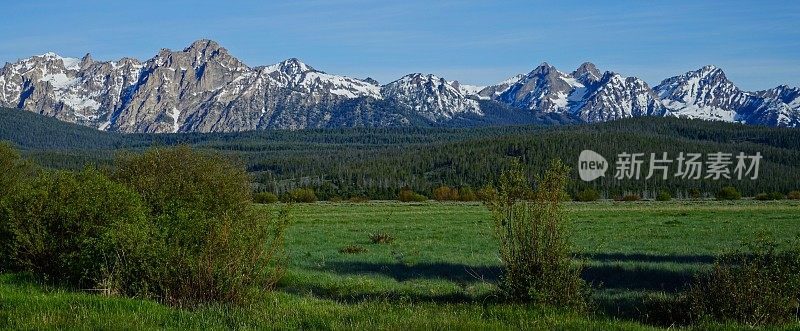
{"points": [[64, 227], [663, 196], [757, 286], [769, 196], [465, 193], [206, 241], [445, 193], [303, 195], [11, 168], [587, 195], [793, 195], [407, 195], [486, 193], [695, 193], [265, 197], [728, 193], [776, 196], [534, 247]]}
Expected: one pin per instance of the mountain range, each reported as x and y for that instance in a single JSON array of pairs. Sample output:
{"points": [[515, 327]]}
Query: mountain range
{"points": [[203, 88]]}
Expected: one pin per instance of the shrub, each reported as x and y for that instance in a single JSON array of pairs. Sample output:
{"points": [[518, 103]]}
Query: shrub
{"points": [[587, 195], [11, 168], [465, 193], [407, 195], [63, 227], [793, 195], [776, 196], [265, 197], [534, 247], [205, 241], [304, 195], [445, 193], [10, 177], [695, 193], [352, 249], [728, 193], [381, 238], [759, 286], [663, 196], [486, 193], [761, 197], [769, 196]]}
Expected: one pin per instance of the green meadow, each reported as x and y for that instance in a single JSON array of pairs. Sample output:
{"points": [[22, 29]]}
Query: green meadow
{"points": [[438, 270]]}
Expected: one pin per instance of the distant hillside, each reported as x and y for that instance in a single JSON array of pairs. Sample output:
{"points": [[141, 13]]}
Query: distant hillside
{"points": [[378, 161]]}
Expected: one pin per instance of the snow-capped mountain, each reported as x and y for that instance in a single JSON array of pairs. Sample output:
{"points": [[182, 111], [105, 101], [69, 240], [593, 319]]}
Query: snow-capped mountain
{"points": [[431, 97], [585, 93], [708, 94], [203, 88], [543, 89]]}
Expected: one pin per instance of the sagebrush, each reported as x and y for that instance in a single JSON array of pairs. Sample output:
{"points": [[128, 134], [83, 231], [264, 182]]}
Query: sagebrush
{"points": [[534, 244]]}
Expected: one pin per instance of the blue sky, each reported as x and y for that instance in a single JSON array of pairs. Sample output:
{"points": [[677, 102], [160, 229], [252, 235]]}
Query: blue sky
{"points": [[757, 43]]}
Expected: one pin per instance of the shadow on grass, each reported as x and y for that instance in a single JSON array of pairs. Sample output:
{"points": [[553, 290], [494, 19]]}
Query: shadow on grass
{"points": [[633, 278], [459, 273], [634, 281], [647, 258]]}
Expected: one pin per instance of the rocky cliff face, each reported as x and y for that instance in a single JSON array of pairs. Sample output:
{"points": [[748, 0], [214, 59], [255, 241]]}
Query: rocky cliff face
{"points": [[203, 88]]}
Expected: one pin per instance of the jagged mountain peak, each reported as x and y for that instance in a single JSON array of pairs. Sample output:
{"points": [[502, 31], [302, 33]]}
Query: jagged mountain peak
{"points": [[371, 81], [419, 77], [86, 60], [291, 66], [432, 97], [51, 57], [543, 68], [587, 72], [204, 45], [204, 88]]}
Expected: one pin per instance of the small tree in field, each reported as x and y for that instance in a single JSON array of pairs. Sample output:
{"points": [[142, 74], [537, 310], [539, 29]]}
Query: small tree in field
{"points": [[534, 247]]}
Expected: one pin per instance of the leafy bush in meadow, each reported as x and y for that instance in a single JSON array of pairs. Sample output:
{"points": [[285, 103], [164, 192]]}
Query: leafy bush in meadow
{"points": [[465, 193], [12, 168], [206, 241], [265, 197], [756, 286], [793, 195], [407, 195], [66, 227], [303, 195], [534, 245], [728, 193], [663, 196], [446, 193], [587, 195]]}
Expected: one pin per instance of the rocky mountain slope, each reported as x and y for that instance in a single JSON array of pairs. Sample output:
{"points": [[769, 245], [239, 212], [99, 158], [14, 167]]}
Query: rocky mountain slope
{"points": [[203, 88]]}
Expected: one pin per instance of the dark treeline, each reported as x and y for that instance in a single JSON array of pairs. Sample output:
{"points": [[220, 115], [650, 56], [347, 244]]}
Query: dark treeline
{"points": [[379, 162]]}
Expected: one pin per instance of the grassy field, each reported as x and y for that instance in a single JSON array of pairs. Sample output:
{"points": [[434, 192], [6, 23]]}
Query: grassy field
{"points": [[439, 272]]}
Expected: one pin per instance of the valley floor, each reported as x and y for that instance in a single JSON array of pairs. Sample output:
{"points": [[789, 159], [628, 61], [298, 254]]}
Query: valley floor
{"points": [[439, 272]]}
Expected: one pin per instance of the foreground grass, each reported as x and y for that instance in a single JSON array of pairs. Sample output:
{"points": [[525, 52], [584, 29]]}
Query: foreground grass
{"points": [[438, 273]]}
